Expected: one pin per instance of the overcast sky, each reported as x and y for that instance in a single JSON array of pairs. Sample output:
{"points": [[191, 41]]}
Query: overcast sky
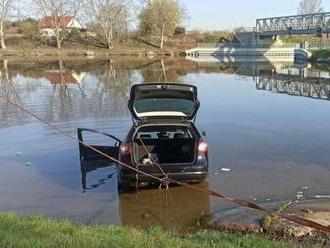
{"points": [[226, 14]]}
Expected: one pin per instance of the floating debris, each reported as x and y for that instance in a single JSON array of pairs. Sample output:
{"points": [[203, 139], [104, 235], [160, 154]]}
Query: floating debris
{"points": [[18, 154], [305, 188], [225, 169], [216, 173], [28, 164]]}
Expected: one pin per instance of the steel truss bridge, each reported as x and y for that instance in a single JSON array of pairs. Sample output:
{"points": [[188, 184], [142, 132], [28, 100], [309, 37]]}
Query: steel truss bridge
{"points": [[318, 23]]}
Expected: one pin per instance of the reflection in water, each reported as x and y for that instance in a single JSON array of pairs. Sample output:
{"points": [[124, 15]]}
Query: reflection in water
{"points": [[88, 166], [303, 81], [7, 86], [278, 77], [165, 71], [296, 87], [8, 89], [279, 160], [67, 92], [178, 208]]}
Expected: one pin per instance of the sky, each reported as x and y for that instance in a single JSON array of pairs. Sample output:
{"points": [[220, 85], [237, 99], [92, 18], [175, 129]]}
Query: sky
{"points": [[227, 14]]}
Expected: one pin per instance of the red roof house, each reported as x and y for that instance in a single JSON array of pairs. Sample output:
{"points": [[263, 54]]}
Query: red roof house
{"points": [[47, 24]]}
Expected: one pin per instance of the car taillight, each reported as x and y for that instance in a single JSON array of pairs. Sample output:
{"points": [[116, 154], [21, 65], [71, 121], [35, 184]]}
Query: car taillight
{"points": [[202, 148], [125, 149]]}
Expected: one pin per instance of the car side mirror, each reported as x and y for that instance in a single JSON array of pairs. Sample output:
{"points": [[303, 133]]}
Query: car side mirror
{"points": [[204, 133]]}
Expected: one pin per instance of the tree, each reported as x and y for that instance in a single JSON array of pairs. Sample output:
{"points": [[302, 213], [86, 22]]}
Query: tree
{"points": [[109, 18], [29, 29], [56, 10], [160, 18], [5, 7], [310, 6]]}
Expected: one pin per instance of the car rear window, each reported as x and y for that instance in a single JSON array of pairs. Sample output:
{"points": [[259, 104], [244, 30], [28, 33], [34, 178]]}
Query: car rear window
{"points": [[164, 105], [164, 132]]}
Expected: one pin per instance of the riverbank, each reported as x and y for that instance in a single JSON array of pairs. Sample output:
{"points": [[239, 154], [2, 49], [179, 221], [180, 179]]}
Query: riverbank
{"points": [[246, 221], [137, 47], [321, 56], [25, 48], [89, 53], [40, 232]]}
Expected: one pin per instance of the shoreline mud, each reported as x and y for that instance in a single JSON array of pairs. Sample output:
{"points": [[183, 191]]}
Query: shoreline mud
{"points": [[246, 221]]}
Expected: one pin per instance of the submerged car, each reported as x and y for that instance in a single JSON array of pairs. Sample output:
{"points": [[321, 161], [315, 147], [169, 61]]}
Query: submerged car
{"points": [[163, 138]]}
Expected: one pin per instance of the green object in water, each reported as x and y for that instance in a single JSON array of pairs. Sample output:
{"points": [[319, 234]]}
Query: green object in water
{"points": [[18, 154], [28, 164]]}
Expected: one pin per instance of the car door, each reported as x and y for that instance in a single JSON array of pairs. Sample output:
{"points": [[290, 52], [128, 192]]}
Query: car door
{"points": [[111, 148], [91, 160]]}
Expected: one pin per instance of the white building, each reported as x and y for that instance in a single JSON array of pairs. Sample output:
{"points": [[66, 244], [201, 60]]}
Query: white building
{"points": [[47, 26]]}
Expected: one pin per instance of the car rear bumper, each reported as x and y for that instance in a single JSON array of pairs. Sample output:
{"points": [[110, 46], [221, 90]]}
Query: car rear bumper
{"points": [[191, 174]]}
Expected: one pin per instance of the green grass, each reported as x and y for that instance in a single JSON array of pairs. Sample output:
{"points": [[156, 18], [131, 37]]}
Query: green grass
{"points": [[302, 38], [322, 67], [37, 232], [323, 54]]}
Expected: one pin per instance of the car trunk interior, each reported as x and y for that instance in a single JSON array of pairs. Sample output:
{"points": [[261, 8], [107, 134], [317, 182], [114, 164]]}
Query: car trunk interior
{"points": [[164, 145]]}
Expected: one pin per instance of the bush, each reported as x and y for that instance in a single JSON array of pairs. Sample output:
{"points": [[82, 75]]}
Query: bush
{"points": [[30, 30], [180, 31]]}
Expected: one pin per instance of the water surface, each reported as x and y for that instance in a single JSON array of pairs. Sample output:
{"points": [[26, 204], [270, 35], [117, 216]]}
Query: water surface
{"points": [[267, 123]]}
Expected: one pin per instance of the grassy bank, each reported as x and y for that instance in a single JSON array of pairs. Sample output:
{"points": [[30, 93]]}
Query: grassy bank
{"points": [[141, 47], [321, 55], [89, 53], [39, 232]]}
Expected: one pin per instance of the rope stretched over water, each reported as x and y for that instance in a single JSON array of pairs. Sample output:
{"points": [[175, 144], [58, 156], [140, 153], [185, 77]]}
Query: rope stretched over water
{"points": [[74, 138], [241, 202]]}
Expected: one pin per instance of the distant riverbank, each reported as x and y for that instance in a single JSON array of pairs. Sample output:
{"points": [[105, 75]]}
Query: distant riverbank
{"points": [[139, 47], [90, 53]]}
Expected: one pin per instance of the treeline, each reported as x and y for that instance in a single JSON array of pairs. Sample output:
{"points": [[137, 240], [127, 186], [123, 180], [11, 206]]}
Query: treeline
{"points": [[109, 21]]}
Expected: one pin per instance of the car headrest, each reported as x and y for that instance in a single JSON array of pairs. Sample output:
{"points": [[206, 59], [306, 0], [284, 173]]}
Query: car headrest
{"points": [[179, 136]]}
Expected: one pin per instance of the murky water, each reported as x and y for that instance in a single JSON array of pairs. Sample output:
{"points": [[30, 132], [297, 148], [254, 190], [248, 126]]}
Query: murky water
{"points": [[267, 123]]}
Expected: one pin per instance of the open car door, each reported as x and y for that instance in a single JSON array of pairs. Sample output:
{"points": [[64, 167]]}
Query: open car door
{"points": [[87, 153], [91, 160]]}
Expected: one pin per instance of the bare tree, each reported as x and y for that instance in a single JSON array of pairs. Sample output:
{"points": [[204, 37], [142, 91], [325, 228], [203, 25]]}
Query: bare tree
{"points": [[56, 10], [109, 18], [160, 18], [5, 7], [310, 6]]}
